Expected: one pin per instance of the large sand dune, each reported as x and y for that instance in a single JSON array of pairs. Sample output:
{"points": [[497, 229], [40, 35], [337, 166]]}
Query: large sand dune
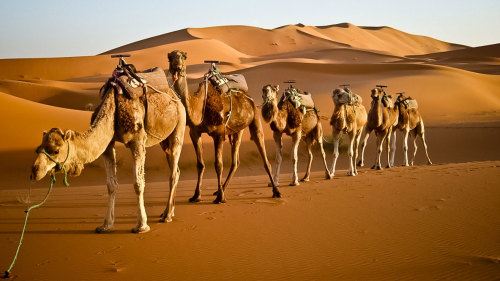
{"points": [[419, 223]]}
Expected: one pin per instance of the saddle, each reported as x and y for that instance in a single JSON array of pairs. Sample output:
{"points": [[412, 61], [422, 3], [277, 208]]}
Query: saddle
{"points": [[300, 100], [135, 84], [226, 83], [150, 84]]}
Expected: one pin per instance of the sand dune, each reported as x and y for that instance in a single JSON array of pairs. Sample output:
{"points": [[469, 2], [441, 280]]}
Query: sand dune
{"points": [[25, 121], [417, 223]]}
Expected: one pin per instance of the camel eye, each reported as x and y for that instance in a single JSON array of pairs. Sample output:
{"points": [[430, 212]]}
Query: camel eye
{"points": [[56, 152]]}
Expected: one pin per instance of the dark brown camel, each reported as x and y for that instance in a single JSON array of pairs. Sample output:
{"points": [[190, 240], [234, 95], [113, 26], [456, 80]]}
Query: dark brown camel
{"points": [[217, 114]]}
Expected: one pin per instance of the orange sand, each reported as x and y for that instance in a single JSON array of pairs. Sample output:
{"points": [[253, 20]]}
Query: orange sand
{"points": [[416, 223]]}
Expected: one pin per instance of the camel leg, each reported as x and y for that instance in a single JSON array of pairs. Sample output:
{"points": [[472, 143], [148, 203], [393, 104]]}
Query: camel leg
{"points": [[414, 148], [138, 149], [393, 148], [235, 154], [422, 136], [380, 143], [279, 157], [257, 135], [200, 165], [357, 138], [172, 147], [350, 153], [336, 140], [405, 147], [218, 145], [109, 157], [388, 147], [295, 148], [319, 139], [361, 162], [309, 142]]}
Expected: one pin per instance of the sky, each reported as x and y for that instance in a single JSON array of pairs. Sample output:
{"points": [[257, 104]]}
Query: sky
{"points": [[62, 28]]}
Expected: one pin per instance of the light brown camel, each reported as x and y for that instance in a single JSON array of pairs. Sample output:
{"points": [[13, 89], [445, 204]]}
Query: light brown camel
{"points": [[284, 118], [382, 117], [119, 118], [204, 108], [409, 122], [349, 117]]}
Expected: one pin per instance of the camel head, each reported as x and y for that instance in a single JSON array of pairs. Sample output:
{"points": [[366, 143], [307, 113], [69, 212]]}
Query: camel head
{"points": [[379, 94], [176, 61], [52, 154], [340, 96], [270, 93]]}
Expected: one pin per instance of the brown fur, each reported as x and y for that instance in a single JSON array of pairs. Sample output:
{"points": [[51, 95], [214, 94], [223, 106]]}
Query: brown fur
{"points": [[119, 118], [214, 106], [294, 115], [410, 122], [213, 122], [285, 118], [381, 120]]}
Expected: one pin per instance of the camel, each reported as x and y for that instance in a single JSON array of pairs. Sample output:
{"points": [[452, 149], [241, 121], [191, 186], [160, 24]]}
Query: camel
{"points": [[211, 112], [382, 117], [349, 117], [119, 118], [409, 122], [284, 118]]}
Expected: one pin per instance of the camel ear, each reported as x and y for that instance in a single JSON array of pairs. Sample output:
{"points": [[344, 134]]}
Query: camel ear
{"points": [[45, 133], [69, 135], [169, 55], [277, 88], [185, 54]]}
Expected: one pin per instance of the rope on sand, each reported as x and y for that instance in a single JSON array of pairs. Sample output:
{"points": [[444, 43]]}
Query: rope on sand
{"points": [[27, 211]]}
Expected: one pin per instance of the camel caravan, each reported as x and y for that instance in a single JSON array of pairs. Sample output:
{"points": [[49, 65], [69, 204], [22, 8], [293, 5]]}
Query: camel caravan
{"points": [[144, 108]]}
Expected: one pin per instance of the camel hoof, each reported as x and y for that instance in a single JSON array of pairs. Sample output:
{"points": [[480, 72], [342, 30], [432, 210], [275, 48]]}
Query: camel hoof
{"points": [[328, 177], [351, 174], [102, 229], [276, 194], [304, 179], [166, 218], [294, 183], [142, 229], [361, 164], [429, 163], [219, 201], [271, 185], [387, 167], [378, 168], [195, 199]]}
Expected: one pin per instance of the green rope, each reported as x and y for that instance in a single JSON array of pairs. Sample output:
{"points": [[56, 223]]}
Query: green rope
{"points": [[59, 166]]}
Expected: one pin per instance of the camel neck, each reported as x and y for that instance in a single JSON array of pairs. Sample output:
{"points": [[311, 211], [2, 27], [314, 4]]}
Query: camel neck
{"points": [[180, 84], [274, 115], [89, 145]]}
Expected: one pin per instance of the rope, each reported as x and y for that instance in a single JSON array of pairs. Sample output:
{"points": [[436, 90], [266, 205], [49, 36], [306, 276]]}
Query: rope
{"points": [[27, 211]]}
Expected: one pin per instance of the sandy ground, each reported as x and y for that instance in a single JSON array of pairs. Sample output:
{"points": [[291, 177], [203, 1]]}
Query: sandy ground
{"points": [[436, 222]]}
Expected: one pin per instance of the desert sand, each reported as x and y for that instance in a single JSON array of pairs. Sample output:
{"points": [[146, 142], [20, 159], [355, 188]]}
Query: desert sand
{"points": [[436, 222]]}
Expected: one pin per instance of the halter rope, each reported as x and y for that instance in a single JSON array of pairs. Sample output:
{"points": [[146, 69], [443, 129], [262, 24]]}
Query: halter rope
{"points": [[59, 166]]}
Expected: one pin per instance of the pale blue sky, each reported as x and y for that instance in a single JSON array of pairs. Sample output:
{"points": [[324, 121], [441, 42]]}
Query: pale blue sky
{"points": [[57, 28]]}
